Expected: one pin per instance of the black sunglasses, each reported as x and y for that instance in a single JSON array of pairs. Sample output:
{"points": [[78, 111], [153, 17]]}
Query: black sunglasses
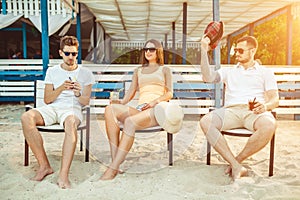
{"points": [[68, 53], [240, 50], [151, 49]]}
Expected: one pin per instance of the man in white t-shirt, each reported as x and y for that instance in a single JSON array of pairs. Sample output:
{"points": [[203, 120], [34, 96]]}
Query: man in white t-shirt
{"points": [[67, 88], [247, 80]]}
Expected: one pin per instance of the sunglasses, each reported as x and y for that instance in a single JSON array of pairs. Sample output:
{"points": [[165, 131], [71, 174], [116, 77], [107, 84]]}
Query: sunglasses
{"points": [[68, 53], [240, 50], [151, 49]]}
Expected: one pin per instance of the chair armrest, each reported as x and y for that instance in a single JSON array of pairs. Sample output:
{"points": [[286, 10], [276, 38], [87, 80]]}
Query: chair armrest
{"points": [[86, 107], [28, 107], [212, 109]]}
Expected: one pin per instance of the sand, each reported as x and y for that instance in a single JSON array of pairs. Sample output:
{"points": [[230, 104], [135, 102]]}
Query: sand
{"points": [[147, 174]]}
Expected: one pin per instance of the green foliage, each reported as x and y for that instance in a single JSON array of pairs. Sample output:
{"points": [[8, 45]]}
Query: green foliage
{"points": [[272, 39]]}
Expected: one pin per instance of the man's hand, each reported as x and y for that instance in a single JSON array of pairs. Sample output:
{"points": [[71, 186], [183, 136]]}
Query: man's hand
{"points": [[67, 85], [205, 41], [76, 87], [259, 108]]}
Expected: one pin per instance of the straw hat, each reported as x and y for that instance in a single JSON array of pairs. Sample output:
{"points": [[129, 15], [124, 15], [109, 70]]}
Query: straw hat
{"points": [[214, 31], [169, 116]]}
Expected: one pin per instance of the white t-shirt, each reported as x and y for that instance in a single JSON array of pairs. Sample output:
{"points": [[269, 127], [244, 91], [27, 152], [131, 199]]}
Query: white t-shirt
{"points": [[56, 75], [243, 85]]}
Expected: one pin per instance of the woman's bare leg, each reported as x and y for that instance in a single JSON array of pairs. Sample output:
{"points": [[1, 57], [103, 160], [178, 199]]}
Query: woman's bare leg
{"points": [[138, 121], [112, 129]]}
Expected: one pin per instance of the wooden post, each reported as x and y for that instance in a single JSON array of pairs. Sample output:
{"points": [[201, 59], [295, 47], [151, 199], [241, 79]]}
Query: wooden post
{"points": [[45, 35]]}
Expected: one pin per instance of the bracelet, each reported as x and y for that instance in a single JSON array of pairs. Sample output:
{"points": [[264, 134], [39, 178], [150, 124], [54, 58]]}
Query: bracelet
{"points": [[78, 95]]}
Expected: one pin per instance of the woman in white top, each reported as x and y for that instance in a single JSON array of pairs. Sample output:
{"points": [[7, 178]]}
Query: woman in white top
{"points": [[154, 83]]}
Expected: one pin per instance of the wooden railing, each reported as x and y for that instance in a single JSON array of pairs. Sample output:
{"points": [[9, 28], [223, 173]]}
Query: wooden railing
{"points": [[17, 76]]}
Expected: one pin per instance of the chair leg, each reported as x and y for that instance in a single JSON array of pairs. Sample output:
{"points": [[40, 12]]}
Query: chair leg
{"points": [[26, 152], [271, 164], [208, 153], [87, 136], [170, 148], [81, 137]]}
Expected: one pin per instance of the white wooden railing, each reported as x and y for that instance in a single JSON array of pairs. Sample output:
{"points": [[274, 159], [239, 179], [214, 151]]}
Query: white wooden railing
{"points": [[32, 7]]}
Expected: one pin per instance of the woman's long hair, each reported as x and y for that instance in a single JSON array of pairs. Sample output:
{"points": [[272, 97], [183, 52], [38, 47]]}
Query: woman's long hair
{"points": [[159, 53]]}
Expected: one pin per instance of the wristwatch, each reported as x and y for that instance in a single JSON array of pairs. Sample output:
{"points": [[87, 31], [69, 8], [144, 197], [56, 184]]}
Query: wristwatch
{"points": [[78, 95]]}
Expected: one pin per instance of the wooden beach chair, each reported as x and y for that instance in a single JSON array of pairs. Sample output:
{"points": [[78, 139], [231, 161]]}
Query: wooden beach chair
{"points": [[84, 126]]}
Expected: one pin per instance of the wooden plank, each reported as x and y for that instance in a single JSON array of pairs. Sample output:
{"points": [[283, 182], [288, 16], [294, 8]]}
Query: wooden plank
{"points": [[23, 89], [21, 67], [19, 83], [21, 62], [113, 77], [193, 94], [192, 102], [195, 111], [193, 86], [113, 86], [287, 77], [289, 94], [11, 94], [290, 102], [288, 86], [287, 111], [286, 70], [31, 7], [21, 73], [187, 78]]}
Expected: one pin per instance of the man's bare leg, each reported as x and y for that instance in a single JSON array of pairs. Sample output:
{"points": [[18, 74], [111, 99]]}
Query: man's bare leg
{"points": [[68, 150], [265, 128], [30, 120], [211, 124], [237, 170]]}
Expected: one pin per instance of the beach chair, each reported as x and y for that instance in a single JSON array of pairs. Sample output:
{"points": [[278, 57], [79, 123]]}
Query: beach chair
{"points": [[152, 129], [246, 133], [169, 139], [241, 132], [84, 126]]}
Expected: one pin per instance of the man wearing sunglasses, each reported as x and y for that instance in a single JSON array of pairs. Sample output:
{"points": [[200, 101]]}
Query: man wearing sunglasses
{"points": [[247, 80], [67, 89]]}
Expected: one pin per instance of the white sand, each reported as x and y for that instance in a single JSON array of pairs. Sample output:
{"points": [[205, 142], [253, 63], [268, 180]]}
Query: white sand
{"points": [[147, 174]]}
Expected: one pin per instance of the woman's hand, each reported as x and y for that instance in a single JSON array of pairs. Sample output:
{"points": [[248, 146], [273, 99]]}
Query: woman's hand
{"points": [[149, 105]]}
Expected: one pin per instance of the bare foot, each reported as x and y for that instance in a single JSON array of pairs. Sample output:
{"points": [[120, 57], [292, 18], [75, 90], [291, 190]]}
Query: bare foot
{"points": [[228, 170], [109, 174], [63, 183], [42, 173], [239, 172]]}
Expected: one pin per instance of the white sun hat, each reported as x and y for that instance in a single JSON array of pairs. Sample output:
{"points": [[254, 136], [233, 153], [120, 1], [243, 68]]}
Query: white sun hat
{"points": [[169, 116]]}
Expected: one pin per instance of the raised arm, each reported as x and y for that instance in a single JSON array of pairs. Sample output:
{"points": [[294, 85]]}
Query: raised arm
{"points": [[208, 74]]}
